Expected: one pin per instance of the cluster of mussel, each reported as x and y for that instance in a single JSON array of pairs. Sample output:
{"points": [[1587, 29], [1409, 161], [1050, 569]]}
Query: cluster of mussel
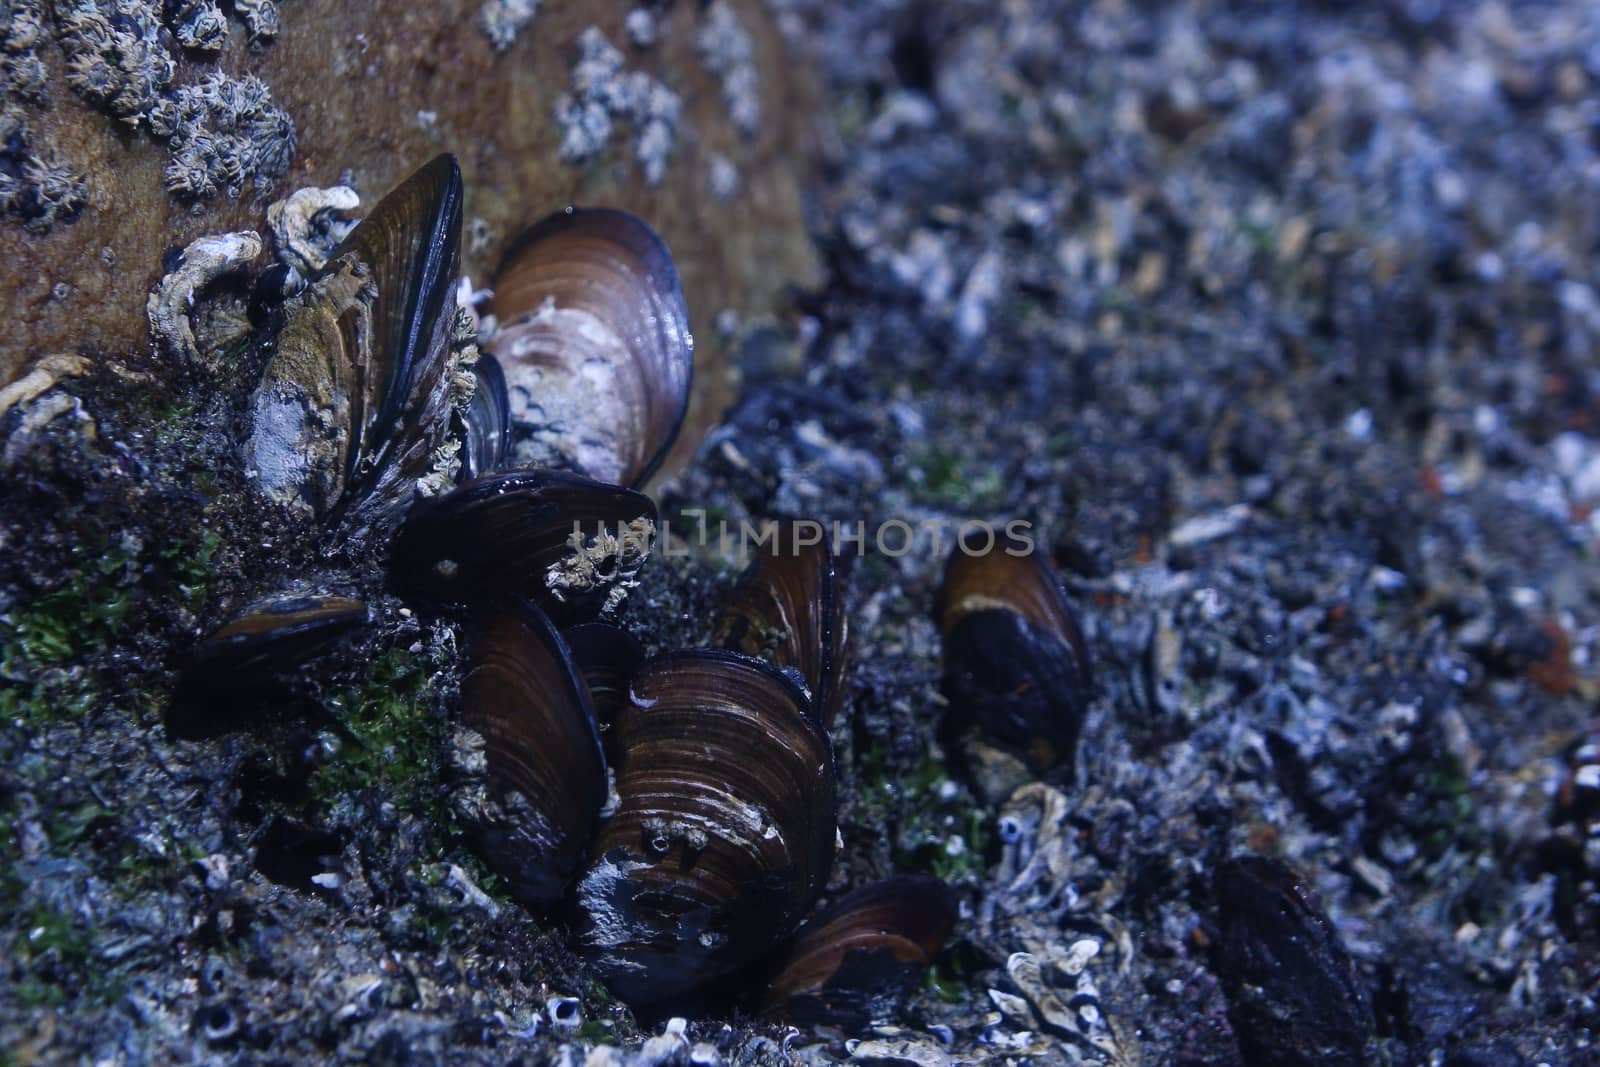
{"points": [[681, 807]]}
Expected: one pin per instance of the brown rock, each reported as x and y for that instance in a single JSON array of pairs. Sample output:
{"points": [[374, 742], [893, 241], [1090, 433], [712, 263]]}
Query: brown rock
{"points": [[360, 82]]}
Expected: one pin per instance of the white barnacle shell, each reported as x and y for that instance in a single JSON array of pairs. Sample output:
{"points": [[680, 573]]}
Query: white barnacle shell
{"points": [[204, 261]]}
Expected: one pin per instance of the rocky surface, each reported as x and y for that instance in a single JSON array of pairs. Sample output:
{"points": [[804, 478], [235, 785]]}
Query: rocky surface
{"points": [[122, 143], [1278, 326]]}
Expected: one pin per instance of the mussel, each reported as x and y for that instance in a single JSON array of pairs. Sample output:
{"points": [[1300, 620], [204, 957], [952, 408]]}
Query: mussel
{"points": [[788, 609], [857, 959], [724, 833], [542, 771], [595, 344], [352, 408], [244, 657], [485, 427], [1017, 672], [567, 543], [1294, 996]]}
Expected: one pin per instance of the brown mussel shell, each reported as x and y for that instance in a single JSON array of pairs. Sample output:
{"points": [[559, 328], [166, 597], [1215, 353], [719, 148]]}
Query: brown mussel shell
{"points": [[858, 959], [353, 404], [1016, 665], [568, 544], [594, 340], [543, 769], [1294, 996], [242, 659], [724, 833], [607, 657], [788, 609]]}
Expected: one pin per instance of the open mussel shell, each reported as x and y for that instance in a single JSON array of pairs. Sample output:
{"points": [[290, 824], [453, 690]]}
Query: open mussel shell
{"points": [[1016, 666], [1294, 995], [788, 609], [724, 831], [485, 426], [230, 669], [858, 959], [594, 340], [534, 799], [353, 405], [570, 545]]}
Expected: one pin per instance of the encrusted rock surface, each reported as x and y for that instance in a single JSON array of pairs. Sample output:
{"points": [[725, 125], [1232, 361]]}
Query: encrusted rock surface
{"points": [[1278, 323], [145, 160]]}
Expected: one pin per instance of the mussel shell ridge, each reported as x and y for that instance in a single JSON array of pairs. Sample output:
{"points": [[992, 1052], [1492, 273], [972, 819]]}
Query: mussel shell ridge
{"points": [[1016, 666], [788, 608], [486, 426], [594, 339], [236, 666], [570, 545], [542, 779], [724, 834], [353, 405], [858, 958]]}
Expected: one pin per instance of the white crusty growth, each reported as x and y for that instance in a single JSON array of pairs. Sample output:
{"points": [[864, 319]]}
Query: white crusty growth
{"points": [[203, 262], [304, 228]]}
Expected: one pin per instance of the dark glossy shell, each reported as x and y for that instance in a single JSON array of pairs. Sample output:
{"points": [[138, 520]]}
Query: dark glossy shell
{"points": [[485, 428], [608, 658], [353, 404], [566, 543], [724, 834], [237, 664], [544, 771], [1294, 996], [412, 244], [1016, 666], [594, 339], [788, 609], [278, 633], [859, 958]]}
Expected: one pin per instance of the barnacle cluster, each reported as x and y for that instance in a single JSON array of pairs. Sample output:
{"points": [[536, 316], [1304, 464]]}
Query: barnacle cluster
{"points": [[602, 94], [728, 53], [502, 20], [225, 133], [37, 187], [116, 54]]}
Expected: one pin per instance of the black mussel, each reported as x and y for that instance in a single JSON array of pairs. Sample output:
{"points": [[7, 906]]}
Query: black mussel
{"points": [[268, 638], [723, 835], [788, 609], [1294, 996], [607, 657], [594, 340], [485, 426], [858, 959], [1016, 666], [352, 408], [530, 750], [568, 544]]}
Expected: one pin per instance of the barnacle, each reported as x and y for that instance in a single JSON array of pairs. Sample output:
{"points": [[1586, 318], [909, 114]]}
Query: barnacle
{"points": [[726, 49], [261, 19], [115, 54], [201, 25], [224, 133], [204, 261], [502, 20], [306, 226], [603, 92]]}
